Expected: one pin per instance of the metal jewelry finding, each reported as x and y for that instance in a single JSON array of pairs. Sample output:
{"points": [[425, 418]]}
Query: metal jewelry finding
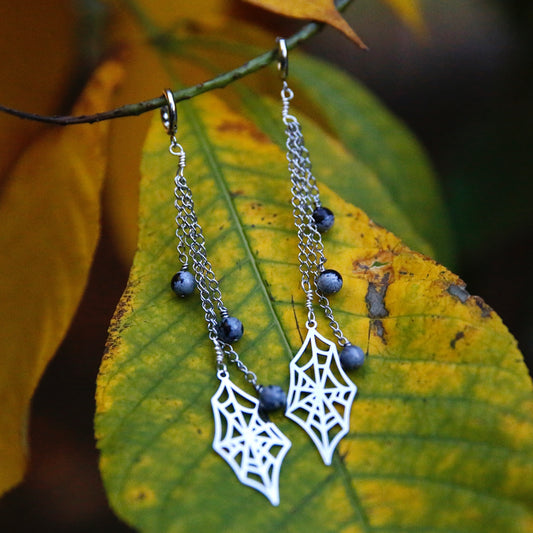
{"points": [[244, 437]]}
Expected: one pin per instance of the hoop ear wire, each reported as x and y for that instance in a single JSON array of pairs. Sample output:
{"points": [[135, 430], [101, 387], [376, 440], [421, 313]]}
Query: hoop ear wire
{"points": [[283, 58], [169, 114]]}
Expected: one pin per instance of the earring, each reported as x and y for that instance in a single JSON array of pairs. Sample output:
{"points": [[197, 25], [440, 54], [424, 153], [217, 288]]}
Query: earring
{"points": [[321, 394], [244, 437]]}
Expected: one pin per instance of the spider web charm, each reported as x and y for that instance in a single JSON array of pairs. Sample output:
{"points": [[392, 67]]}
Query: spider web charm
{"points": [[320, 394], [253, 448]]}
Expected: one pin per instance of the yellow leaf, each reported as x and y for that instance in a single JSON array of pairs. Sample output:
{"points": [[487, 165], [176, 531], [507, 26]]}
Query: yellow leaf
{"points": [[29, 32], [49, 215], [126, 139], [319, 10], [410, 13]]}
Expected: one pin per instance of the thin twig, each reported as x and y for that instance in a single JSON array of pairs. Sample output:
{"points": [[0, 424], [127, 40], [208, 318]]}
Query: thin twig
{"points": [[217, 82]]}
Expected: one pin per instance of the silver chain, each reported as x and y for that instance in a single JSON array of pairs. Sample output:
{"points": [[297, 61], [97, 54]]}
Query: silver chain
{"points": [[191, 241], [305, 199]]}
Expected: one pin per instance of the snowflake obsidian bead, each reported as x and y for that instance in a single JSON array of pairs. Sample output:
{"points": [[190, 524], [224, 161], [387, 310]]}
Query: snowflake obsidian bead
{"points": [[329, 282], [272, 398], [183, 283], [324, 219], [230, 329], [352, 357]]}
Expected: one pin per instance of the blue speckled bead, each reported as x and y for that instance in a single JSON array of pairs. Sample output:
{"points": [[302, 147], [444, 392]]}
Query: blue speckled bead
{"points": [[352, 357], [183, 283], [272, 398], [230, 329], [329, 282], [324, 219]]}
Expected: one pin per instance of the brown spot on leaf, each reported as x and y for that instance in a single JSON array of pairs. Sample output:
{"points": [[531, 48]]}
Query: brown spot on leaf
{"points": [[485, 309], [373, 224], [143, 496], [378, 270], [375, 298], [123, 309], [378, 329], [376, 267], [459, 292], [236, 193], [458, 336], [243, 127]]}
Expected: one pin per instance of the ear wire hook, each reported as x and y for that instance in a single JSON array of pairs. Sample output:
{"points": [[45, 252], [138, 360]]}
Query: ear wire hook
{"points": [[169, 115], [283, 59]]}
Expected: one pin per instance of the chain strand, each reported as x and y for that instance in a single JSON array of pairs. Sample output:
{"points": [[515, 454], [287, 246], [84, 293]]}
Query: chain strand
{"points": [[305, 199], [191, 240]]}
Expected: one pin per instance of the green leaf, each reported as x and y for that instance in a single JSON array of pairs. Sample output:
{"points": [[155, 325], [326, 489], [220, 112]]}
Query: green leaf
{"points": [[50, 220], [442, 430], [381, 142]]}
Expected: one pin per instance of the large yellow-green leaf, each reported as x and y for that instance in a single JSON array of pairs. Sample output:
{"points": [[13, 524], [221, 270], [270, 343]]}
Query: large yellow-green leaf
{"points": [[50, 223], [442, 430]]}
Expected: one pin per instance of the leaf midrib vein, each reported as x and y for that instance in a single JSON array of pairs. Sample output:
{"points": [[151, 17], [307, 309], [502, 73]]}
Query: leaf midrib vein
{"points": [[208, 152], [215, 165]]}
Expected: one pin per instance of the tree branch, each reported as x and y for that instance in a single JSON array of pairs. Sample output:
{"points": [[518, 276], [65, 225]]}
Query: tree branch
{"points": [[218, 82]]}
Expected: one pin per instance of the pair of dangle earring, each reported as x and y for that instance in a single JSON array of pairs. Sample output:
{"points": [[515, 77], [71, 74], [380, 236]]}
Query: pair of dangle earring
{"points": [[244, 437], [321, 394]]}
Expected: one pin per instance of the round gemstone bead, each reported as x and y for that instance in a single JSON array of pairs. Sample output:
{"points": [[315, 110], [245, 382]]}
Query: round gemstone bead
{"points": [[230, 329], [324, 219], [272, 398], [183, 283], [352, 357], [329, 282]]}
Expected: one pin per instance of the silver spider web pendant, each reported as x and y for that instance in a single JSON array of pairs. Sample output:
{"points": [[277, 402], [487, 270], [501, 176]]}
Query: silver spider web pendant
{"points": [[320, 394], [252, 447]]}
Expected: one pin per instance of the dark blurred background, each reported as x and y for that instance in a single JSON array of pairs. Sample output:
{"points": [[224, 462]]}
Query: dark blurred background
{"points": [[466, 91]]}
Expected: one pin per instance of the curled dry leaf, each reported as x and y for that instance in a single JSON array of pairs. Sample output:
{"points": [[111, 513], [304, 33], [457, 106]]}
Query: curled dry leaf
{"points": [[318, 10], [49, 215]]}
